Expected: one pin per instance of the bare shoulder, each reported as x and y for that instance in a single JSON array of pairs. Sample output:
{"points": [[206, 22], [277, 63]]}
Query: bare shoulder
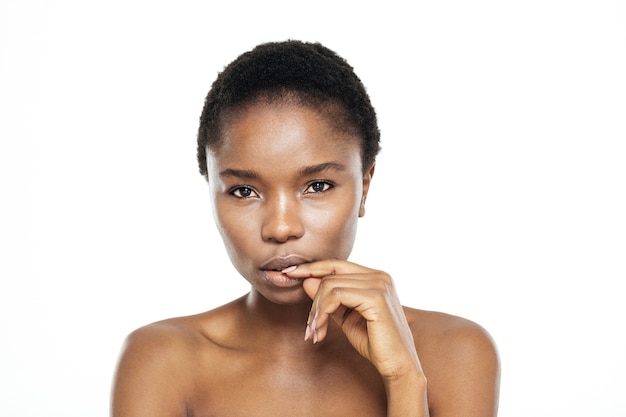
{"points": [[170, 341], [153, 358], [461, 363], [447, 340], [157, 364], [441, 329]]}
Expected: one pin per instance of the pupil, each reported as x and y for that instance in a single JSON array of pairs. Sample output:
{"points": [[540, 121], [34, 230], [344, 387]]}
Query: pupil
{"points": [[245, 192], [318, 186]]}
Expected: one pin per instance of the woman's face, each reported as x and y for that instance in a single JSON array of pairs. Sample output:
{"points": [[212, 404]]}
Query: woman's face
{"points": [[287, 187]]}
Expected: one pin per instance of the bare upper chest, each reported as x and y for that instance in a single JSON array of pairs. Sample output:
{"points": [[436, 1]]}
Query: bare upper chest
{"points": [[246, 384]]}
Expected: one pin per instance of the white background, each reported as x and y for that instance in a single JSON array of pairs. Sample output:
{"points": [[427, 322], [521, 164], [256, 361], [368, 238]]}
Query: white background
{"points": [[499, 195]]}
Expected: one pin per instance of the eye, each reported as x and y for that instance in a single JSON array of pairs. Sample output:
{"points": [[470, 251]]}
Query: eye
{"points": [[318, 187], [243, 192]]}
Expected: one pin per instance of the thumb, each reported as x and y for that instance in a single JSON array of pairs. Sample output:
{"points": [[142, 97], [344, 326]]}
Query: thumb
{"points": [[311, 285]]}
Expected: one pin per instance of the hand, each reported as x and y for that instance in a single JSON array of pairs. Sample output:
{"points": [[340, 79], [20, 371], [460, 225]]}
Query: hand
{"points": [[364, 303]]}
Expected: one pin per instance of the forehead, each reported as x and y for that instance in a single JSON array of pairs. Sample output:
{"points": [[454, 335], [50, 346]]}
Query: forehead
{"points": [[271, 131]]}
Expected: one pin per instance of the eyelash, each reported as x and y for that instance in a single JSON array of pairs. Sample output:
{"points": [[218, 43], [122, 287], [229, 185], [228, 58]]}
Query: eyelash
{"points": [[237, 190], [327, 185]]}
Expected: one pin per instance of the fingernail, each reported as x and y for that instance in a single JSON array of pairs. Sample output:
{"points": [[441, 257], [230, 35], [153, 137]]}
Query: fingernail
{"points": [[307, 332], [289, 269], [314, 327]]}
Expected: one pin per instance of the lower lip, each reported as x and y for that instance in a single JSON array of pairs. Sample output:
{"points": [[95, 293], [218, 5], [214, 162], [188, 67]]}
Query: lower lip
{"points": [[279, 279]]}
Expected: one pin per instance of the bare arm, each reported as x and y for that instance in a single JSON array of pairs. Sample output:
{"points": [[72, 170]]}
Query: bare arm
{"points": [[466, 380], [149, 375]]}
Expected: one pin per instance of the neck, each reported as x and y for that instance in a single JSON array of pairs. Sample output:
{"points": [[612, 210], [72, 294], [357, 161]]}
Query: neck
{"points": [[268, 314], [278, 328]]}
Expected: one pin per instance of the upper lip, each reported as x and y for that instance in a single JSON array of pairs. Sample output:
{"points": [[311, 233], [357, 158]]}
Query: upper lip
{"points": [[278, 263]]}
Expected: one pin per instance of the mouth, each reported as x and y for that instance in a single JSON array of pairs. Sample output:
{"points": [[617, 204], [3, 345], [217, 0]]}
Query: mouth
{"points": [[279, 263]]}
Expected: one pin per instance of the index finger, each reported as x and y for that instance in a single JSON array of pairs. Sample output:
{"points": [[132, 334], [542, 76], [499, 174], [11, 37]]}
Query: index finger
{"points": [[324, 268]]}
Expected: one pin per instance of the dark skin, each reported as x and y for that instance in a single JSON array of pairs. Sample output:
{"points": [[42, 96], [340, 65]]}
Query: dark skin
{"points": [[316, 335]]}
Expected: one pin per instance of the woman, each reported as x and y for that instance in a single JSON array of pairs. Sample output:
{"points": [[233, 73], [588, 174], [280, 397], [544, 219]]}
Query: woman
{"points": [[287, 141]]}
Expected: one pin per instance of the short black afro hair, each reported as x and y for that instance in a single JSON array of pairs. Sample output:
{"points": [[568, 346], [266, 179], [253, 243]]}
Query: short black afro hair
{"points": [[314, 74]]}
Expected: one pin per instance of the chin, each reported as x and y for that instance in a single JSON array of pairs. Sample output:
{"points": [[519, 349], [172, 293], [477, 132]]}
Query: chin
{"points": [[287, 297]]}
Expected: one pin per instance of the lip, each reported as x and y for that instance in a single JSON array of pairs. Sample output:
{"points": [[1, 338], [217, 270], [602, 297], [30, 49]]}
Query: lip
{"points": [[279, 263]]}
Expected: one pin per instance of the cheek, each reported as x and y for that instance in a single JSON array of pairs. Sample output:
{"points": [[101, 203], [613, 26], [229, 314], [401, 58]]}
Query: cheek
{"points": [[334, 225], [335, 220], [239, 239], [235, 229]]}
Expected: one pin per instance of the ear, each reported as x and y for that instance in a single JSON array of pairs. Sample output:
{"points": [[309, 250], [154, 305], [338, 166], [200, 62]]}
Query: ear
{"points": [[367, 179]]}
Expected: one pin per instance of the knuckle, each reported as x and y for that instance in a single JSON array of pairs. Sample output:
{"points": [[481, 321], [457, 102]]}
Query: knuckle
{"points": [[383, 284], [333, 264], [380, 295], [325, 283], [336, 291], [385, 277]]}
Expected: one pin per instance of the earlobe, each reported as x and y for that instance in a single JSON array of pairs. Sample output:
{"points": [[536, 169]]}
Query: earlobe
{"points": [[362, 208], [367, 179]]}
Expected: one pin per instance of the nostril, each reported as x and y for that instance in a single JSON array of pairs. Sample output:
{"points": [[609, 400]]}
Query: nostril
{"points": [[281, 238], [282, 219], [282, 232]]}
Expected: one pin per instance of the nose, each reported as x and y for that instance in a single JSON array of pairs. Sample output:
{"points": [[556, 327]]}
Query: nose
{"points": [[282, 219]]}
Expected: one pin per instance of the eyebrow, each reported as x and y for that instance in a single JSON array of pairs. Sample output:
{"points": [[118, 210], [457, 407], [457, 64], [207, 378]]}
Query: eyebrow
{"points": [[305, 171], [315, 169], [239, 173]]}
